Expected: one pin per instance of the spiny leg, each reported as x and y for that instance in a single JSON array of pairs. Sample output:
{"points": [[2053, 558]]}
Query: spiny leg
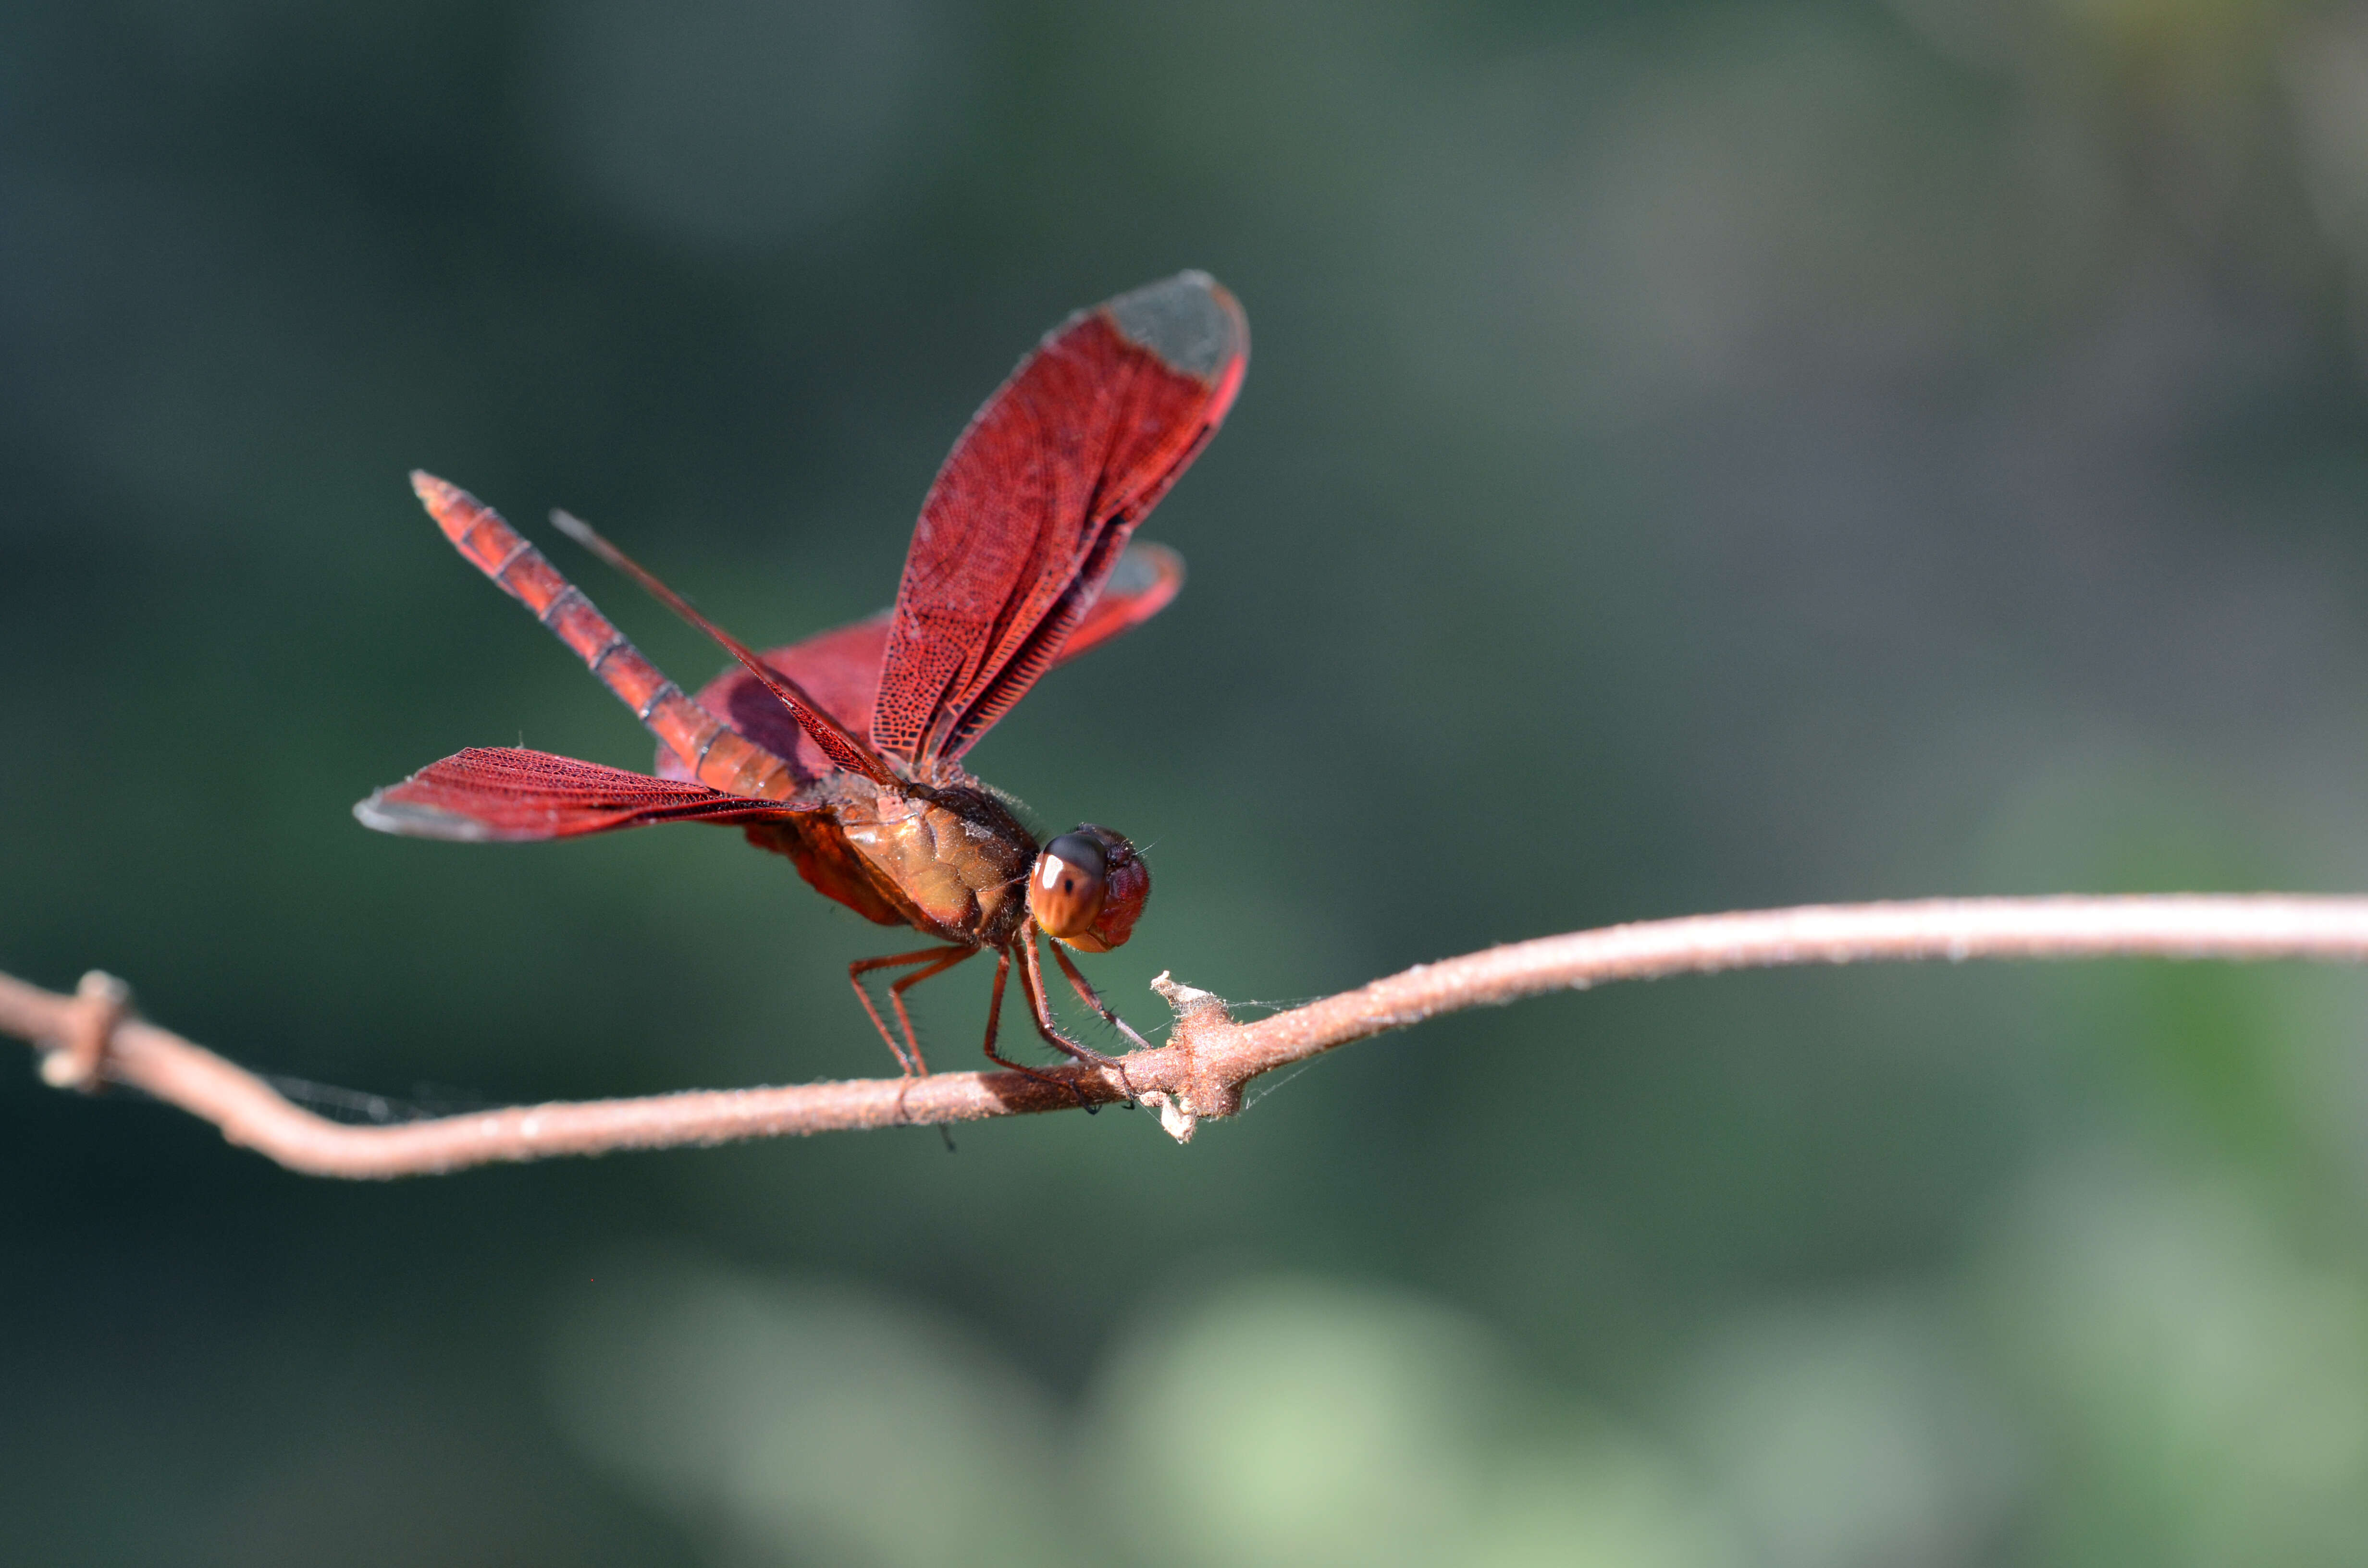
{"points": [[994, 1022], [938, 959], [896, 990], [1031, 980], [1093, 998]]}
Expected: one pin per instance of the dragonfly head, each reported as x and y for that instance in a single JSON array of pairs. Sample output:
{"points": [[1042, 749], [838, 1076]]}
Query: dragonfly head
{"points": [[1088, 888]]}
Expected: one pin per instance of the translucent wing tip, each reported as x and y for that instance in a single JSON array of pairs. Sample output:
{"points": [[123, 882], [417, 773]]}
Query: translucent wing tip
{"points": [[410, 820], [1144, 568], [1189, 321]]}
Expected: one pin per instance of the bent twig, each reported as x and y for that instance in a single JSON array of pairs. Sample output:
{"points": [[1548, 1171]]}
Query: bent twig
{"points": [[92, 1037]]}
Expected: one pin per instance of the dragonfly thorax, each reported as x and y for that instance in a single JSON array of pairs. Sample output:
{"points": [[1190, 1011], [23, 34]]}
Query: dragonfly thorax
{"points": [[960, 860]]}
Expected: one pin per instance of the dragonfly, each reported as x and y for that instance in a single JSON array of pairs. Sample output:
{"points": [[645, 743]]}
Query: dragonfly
{"points": [[844, 752]]}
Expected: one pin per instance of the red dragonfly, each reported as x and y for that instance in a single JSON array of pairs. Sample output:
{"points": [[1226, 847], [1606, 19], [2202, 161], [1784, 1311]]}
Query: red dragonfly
{"points": [[844, 752]]}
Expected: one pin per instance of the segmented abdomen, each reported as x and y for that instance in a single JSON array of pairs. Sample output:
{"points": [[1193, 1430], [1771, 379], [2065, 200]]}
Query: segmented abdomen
{"points": [[716, 754]]}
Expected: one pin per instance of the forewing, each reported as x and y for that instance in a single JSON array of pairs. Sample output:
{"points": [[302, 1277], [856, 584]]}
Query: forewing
{"points": [[1032, 510], [498, 793]]}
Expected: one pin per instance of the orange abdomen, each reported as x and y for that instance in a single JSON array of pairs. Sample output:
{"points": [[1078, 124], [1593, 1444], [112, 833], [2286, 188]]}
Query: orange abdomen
{"points": [[712, 752]]}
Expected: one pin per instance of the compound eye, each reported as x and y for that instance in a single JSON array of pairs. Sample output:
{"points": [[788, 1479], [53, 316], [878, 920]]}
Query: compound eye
{"points": [[1066, 894]]}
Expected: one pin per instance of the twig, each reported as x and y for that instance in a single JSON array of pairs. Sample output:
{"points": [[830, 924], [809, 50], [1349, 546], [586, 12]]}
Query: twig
{"points": [[1201, 1071]]}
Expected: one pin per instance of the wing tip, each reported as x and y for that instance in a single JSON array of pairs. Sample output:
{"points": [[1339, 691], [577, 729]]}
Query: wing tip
{"points": [[381, 812], [1147, 567], [1190, 320]]}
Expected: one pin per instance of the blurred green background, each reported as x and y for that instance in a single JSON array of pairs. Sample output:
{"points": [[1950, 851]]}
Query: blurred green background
{"points": [[1695, 456]]}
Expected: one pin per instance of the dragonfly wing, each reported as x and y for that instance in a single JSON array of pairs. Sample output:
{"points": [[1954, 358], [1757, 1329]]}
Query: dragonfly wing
{"points": [[1147, 578], [1030, 514], [840, 669], [507, 793]]}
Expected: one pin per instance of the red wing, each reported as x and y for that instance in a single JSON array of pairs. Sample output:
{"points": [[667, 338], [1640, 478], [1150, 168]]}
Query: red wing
{"points": [[1028, 515], [841, 669], [1145, 580], [508, 793]]}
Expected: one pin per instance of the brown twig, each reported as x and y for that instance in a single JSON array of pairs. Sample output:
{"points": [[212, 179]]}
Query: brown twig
{"points": [[1201, 1071]]}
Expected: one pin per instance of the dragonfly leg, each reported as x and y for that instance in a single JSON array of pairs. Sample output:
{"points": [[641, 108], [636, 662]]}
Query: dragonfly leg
{"points": [[994, 1022], [1093, 998], [896, 990], [940, 960], [1031, 980]]}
